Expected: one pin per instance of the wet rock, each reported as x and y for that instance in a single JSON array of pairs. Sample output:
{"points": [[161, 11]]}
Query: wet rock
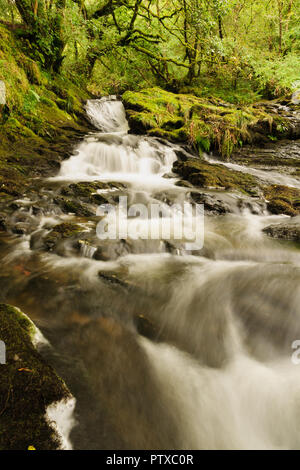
{"points": [[288, 231], [3, 226], [284, 155], [183, 153], [69, 206], [36, 210], [212, 203], [183, 184], [87, 191], [296, 97], [256, 207], [20, 228], [112, 250], [112, 280], [146, 327], [278, 207], [28, 385], [206, 175], [21, 223], [60, 233], [282, 200]]}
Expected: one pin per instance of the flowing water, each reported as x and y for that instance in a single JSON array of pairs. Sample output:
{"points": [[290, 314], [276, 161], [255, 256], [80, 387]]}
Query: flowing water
{"points": [[163, 348]]}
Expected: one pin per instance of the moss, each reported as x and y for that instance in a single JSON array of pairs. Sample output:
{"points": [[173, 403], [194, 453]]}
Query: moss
{"points": [[74, 207], [32, 104], [282, 200], [204, 174], [205, 123], [48, 102], [14, 130], [31, 68], [84, 189], [11, 73], [87, 191], [61, 232], [28, 385]]}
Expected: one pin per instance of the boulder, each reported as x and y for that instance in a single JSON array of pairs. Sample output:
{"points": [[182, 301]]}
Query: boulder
{"points": [[30, 389], [285, 231]]}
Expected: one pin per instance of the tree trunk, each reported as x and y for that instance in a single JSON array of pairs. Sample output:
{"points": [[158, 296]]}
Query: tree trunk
{"points": [[280, 7], [220, 27], [44, 31]]}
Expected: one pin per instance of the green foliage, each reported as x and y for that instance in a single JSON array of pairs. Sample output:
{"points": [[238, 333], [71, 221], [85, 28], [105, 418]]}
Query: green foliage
{"points": [[237, 50], [205, 123], [31, 100], [277, 76]]}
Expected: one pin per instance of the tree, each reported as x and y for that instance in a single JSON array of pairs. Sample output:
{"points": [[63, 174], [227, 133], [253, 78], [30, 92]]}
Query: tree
{"points": [[44, 32]]}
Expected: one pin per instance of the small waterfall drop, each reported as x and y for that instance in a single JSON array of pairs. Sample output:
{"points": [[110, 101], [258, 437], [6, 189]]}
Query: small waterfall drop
{"points": [[107, 114], [113, 154]]}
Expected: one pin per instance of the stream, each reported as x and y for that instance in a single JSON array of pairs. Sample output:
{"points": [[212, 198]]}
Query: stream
{"points": [[163, 347]]}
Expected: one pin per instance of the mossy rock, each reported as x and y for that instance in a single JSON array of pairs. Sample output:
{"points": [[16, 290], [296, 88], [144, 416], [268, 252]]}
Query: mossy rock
{"points": [[206, 175], [288, 231], [69, 206], [282, 200], [203, 123], [62, 232], [32, 69], [87, 191], [28, 385]]}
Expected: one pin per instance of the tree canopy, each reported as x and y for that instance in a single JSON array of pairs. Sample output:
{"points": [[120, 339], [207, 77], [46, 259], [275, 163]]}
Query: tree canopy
{"points": [[118, 44]]}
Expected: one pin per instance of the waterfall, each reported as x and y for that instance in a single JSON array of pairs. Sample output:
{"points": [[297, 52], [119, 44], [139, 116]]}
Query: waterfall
{"points": [[114, 153], [107, 114]]}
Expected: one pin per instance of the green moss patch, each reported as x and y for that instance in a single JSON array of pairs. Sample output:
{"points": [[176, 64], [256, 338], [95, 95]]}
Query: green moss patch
{"points": [[207, 175], [205, 123], [28, 385], [62, 232], [283, 200]]}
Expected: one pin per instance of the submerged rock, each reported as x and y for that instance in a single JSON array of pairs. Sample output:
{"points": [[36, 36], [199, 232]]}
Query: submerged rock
{"points": [[146, 327], [62, 232], [28, 386], [212, 203], [288, 231]]}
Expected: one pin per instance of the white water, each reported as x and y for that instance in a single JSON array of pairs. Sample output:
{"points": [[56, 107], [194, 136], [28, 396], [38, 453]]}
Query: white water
{"points": [[128, 159], [246, 405], [139, 162], [61, 417], [107, 114], [114, 154]]}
